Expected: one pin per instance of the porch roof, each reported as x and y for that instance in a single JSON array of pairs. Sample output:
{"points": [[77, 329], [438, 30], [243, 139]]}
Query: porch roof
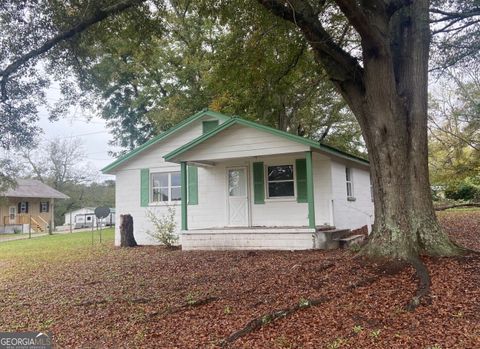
{"points": [[31, 188], [178, 155]]}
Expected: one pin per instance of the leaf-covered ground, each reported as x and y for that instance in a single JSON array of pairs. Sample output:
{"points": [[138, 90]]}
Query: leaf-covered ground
{"points": [[149, 297]]}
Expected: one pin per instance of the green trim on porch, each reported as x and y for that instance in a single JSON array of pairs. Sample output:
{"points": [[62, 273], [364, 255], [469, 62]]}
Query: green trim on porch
{"points": [[184, 203], [163, 135], [310, 191], [236, 120]]}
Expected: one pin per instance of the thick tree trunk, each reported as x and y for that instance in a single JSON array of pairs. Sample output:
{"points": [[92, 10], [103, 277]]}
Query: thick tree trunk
{"points": [[405, 222], [394, 113], [388, 93]]}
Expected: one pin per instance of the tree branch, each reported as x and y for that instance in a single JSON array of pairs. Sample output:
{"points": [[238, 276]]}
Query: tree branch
{"points": [[86, 23], [338, 63], [364, 24], [447, 15]]}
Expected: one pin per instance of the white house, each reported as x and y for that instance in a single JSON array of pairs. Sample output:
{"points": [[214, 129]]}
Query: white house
{"points": [[85, 217], [247, 186]]}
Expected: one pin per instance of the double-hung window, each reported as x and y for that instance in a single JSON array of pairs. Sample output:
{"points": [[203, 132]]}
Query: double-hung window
{"points": [[349, 182], [165, 187], [280, 181]]}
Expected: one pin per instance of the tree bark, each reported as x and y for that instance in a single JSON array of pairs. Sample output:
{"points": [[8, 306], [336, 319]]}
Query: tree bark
{"points": [[126, 231], [388, 95], [395, 130]]}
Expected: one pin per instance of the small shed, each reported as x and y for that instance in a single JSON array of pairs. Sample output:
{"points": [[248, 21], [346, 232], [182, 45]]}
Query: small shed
{"points": [[85, 218]]}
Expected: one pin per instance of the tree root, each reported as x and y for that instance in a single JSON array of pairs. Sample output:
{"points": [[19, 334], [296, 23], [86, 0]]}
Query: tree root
{"points": [[424, 282], [446, 207], [275, 315]]}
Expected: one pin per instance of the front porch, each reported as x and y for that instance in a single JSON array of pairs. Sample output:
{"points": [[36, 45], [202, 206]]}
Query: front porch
{"points": [[255, 193], [263, 238], [24, 222], [245, 186]]}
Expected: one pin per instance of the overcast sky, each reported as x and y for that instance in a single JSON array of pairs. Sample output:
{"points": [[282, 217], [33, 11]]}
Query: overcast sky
{"points": [[75, 124]]}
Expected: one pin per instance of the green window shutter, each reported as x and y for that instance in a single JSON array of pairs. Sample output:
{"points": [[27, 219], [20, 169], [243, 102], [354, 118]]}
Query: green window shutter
{"points": [[301, 172], [209, 125], [258, 183], [192, 173], [144, 187]]}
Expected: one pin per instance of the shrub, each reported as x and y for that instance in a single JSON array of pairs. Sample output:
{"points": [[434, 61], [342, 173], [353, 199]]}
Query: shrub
{"points": [[165, 227], [464, 190]]}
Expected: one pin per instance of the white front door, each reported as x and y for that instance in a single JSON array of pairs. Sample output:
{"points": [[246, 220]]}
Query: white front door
{"points": [[237, 197], [12, 214]]}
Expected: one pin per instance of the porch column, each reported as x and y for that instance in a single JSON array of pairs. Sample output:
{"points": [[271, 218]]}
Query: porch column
{"points": [[183, 175], [310, 195]]}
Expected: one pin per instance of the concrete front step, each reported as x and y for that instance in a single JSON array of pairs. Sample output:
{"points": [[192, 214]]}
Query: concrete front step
{"points": [[329, 239], [350, 240]]}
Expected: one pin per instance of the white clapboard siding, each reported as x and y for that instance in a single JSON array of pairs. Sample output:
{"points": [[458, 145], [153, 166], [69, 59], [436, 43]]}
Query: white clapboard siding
{"points": [[127, 198], [351, 214], [240, 141]]}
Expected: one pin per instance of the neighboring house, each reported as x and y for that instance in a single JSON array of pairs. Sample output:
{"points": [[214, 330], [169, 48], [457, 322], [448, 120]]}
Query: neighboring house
{"points": [[85, 218], [246, 186], [28, 207]]}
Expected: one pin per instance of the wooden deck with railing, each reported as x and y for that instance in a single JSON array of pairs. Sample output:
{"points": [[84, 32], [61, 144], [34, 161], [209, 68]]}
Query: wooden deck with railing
{"points": [[37, 223]]}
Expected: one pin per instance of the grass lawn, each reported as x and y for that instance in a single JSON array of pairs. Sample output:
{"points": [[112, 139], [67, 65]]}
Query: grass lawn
{"points": [[151, 297], [51, 249]]}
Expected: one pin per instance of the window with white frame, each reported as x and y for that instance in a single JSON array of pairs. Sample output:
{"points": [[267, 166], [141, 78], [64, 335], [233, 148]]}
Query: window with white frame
{"points": [[349, 181], [280, 181], [165, 187]]}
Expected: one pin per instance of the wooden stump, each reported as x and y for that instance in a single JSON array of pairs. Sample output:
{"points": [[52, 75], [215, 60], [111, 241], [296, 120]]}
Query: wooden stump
{"points": [[126, 231]]}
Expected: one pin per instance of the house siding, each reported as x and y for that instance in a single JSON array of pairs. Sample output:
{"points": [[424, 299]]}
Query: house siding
{"points": [[127, 198], [351, 214], [240, 141], [33, 209]]}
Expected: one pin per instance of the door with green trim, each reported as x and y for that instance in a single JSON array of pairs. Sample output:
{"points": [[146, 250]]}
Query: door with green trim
{"points": [[237, 192]]}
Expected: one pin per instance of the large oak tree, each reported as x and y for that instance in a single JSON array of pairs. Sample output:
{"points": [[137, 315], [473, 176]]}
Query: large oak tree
{"points": [[387, 90]]}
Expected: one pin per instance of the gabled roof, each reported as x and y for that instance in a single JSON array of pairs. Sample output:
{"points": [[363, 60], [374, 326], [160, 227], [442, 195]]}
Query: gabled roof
{"points": [[31, 188], [238, 121], [162, 136]]}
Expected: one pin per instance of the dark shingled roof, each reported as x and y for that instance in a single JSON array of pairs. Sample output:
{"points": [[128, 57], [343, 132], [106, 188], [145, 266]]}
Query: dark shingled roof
{"points": [[31, 188]]}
